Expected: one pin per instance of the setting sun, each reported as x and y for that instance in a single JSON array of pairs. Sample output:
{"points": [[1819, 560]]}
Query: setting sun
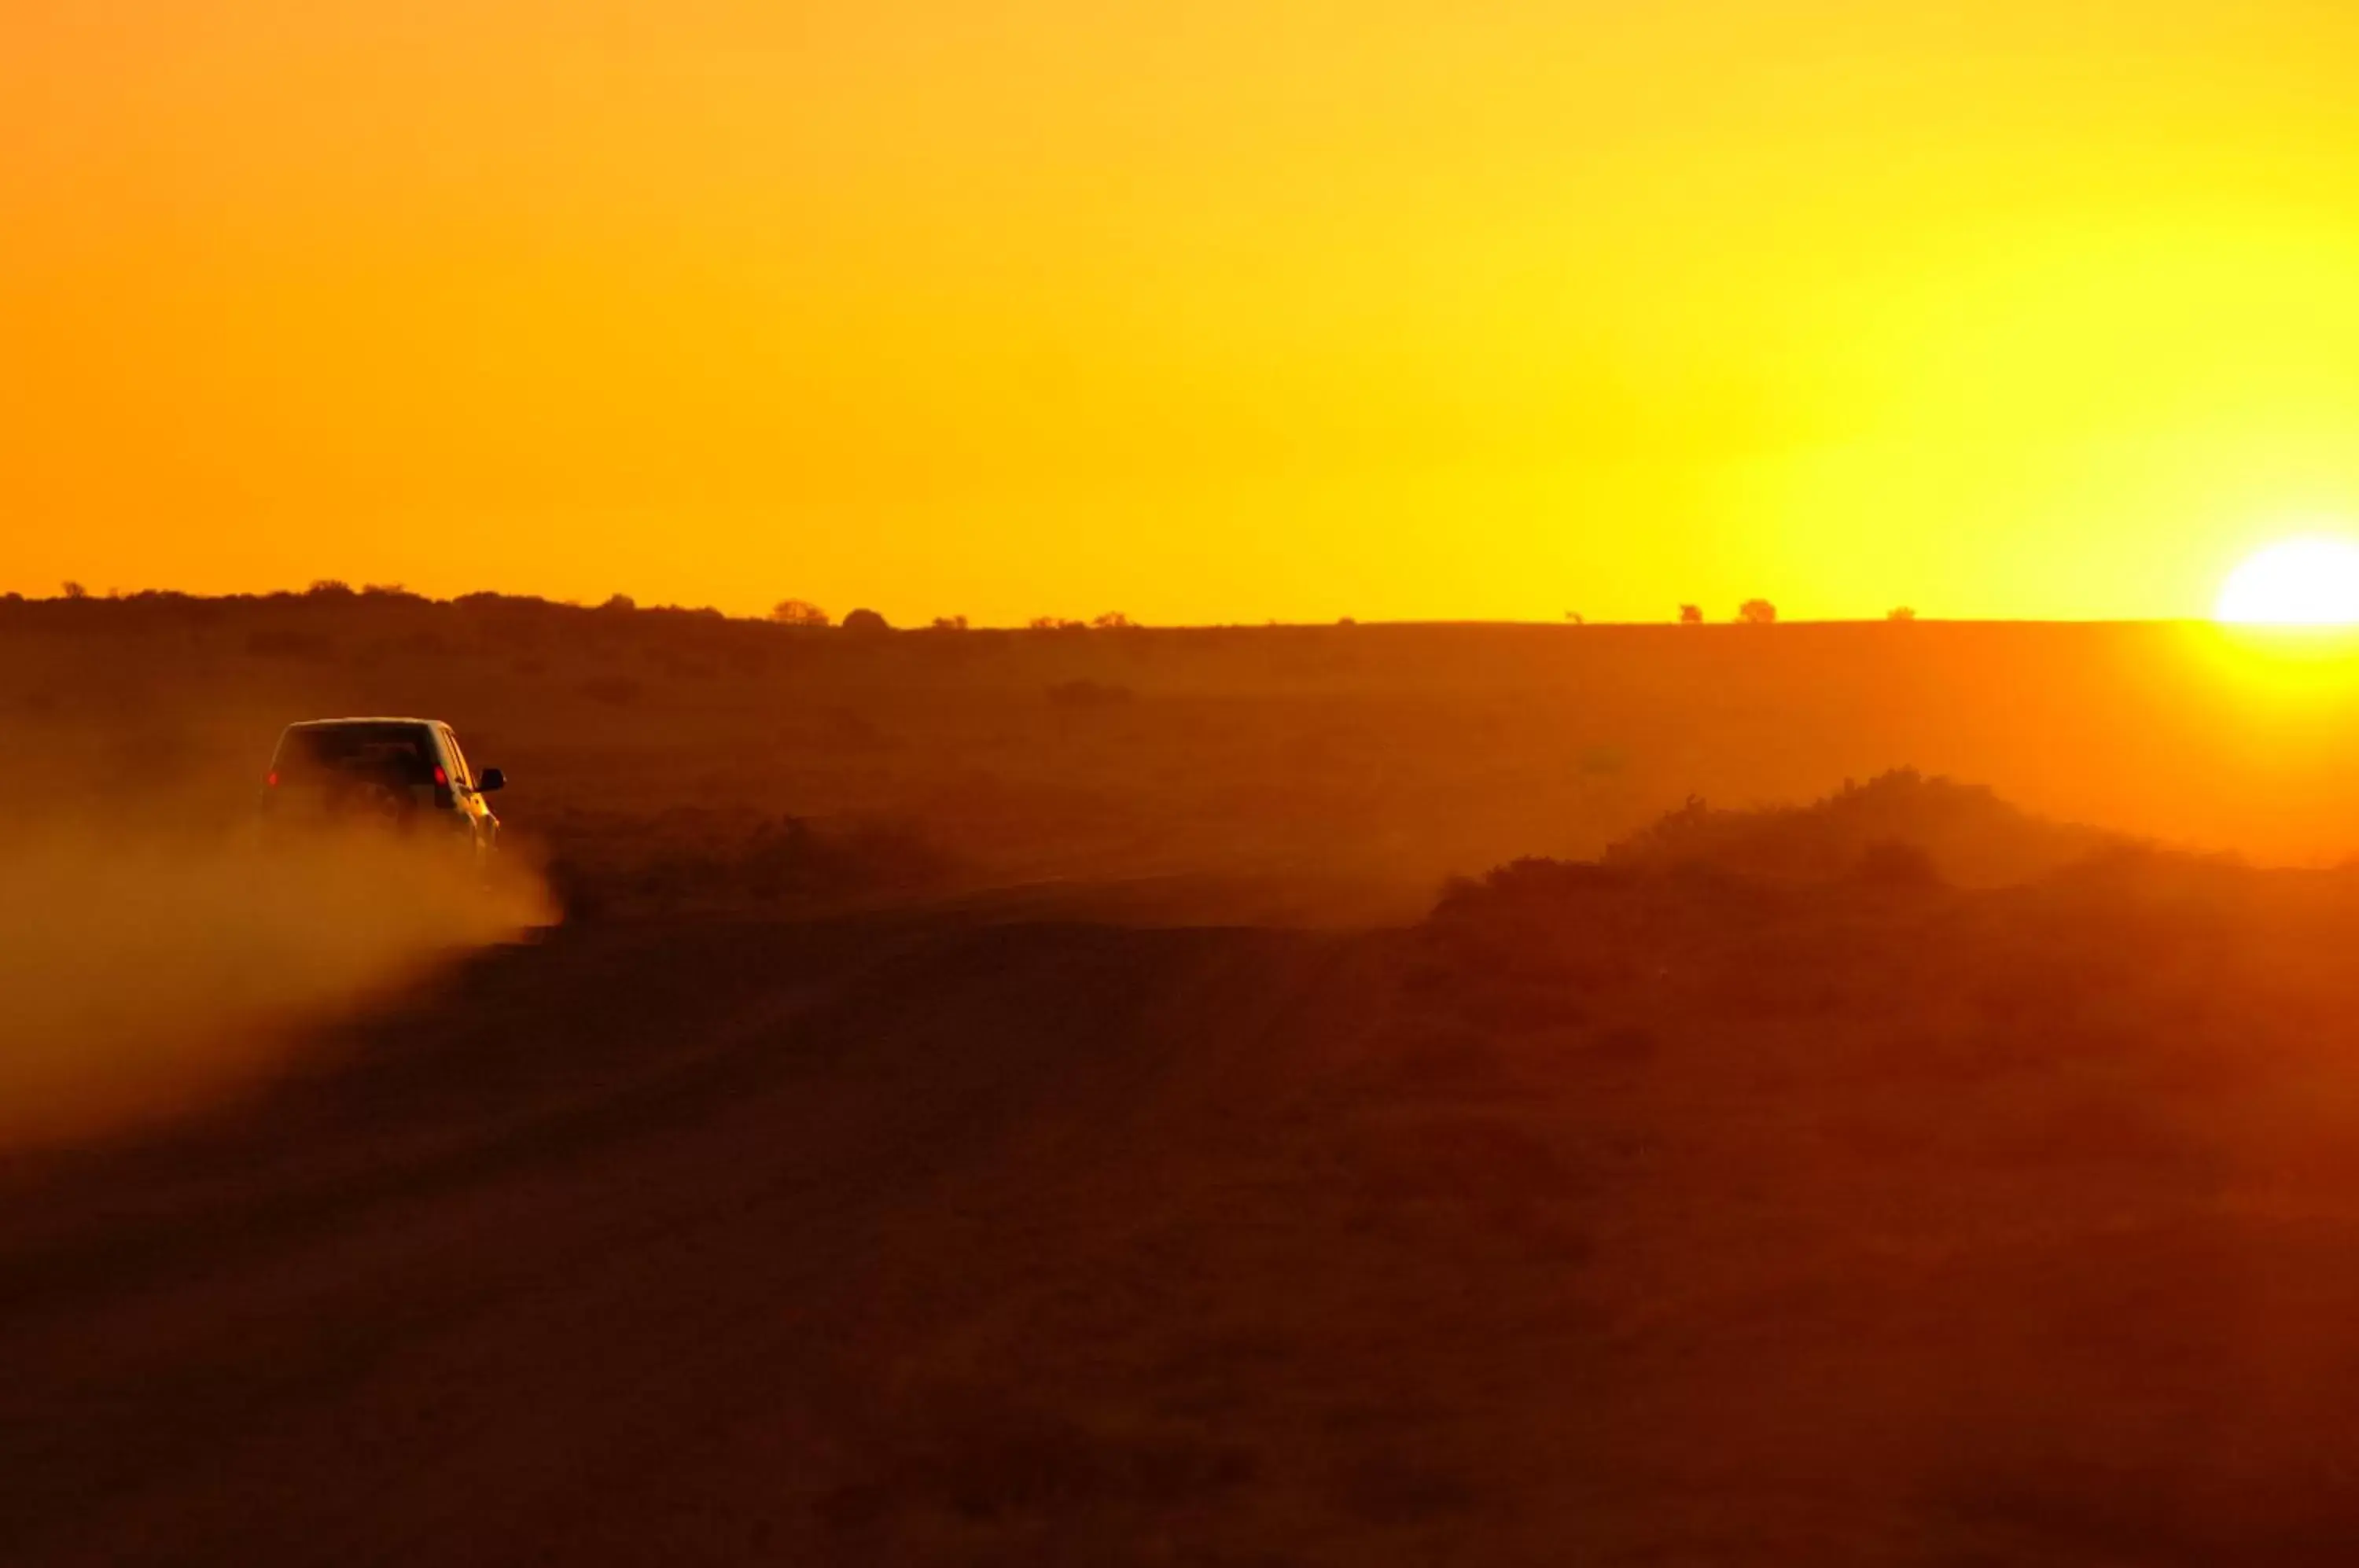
{"points": [[2310, 581]]}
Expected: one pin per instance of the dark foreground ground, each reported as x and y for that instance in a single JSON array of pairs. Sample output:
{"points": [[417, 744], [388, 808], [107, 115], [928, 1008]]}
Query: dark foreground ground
{"points": [[1608, 1216]]}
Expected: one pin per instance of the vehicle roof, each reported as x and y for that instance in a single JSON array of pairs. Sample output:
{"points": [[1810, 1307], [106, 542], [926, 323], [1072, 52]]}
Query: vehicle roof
{"points": [[369, 719]]}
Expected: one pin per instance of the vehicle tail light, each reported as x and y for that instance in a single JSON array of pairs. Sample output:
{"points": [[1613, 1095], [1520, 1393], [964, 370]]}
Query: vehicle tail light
{"points": [[271, 779], [441, 779]]}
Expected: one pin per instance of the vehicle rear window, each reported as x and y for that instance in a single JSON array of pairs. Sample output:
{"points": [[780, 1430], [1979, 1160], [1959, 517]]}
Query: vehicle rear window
{"points": [[393, 754]]}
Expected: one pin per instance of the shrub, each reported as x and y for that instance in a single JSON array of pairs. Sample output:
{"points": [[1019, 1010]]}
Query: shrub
{"points": [[1115, 621], [798, 613], [1757, 613], [1690, 614], [620, 603], [73, 590], [950, 623], [1879, 830], [866, 621], [1902, 614]]}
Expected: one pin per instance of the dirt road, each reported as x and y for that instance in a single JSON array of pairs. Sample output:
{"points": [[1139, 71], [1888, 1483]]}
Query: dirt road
{"points": [[666, 1244]]}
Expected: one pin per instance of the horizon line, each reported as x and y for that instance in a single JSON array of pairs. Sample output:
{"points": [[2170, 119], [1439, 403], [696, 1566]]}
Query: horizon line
{"points": [[621, 603]]}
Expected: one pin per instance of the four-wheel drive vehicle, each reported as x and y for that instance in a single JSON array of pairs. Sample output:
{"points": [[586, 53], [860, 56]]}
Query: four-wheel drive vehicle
{"points": [[403, 774]]}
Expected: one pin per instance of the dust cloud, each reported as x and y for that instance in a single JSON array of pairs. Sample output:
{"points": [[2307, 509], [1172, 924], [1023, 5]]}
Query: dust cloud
{"points": [[149, 975]]}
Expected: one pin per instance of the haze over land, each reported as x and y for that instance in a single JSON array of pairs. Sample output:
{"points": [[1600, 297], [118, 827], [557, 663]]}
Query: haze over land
{"points": [[1400, 754], [1516, 1019], [1031, 1096]]}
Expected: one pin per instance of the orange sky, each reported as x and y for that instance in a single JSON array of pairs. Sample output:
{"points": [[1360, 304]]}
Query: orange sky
{"points": [[1222, 311]]}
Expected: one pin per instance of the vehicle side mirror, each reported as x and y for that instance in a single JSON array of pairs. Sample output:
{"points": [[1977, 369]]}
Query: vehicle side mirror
{"points": [[493, 778]]}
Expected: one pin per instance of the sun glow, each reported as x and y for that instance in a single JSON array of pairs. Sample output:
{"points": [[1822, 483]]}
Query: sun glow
{"points": [[2309, 582]]}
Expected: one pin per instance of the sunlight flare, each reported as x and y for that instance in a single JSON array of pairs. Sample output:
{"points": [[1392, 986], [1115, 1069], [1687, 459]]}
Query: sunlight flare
{"points": [[2308, 582]]}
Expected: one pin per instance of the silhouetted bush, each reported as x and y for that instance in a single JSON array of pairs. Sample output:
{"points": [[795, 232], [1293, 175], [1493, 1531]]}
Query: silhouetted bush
{"points": [[798, 613], [1114, 621], [620, 603], [866, 621], [1757, 613], [328, 588], [950, 623], [73, 590], [1690, 614], [1902, 613], [1879, 829]]}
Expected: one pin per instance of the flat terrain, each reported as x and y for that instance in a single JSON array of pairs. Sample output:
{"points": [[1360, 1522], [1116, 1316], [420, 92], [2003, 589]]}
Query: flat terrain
{"points": [[1606, 1217], [652, 751], [960, 1123]]}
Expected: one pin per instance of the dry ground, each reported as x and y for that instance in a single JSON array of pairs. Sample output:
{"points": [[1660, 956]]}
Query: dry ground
{"points": [[962, 1122], [1612, 1216]]}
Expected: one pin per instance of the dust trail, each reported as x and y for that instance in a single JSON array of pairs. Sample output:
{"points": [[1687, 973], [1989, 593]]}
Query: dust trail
{"points": [[146, 976]]}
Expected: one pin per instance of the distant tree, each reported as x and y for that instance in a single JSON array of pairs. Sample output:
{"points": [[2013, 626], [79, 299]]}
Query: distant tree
{"points": [[1057, 624], [1115, 621], [621, 603], [950, 623], [1346, 621], [1690, 614], [866, 621], [385, 591], [73, 590], [330, 588], [1574, 616], [798, 613], [1903, 614], [1757, 613]]}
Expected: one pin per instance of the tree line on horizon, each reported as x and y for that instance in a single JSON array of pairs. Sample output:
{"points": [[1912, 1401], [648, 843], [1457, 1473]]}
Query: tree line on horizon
{"points": [[803, 612]]}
